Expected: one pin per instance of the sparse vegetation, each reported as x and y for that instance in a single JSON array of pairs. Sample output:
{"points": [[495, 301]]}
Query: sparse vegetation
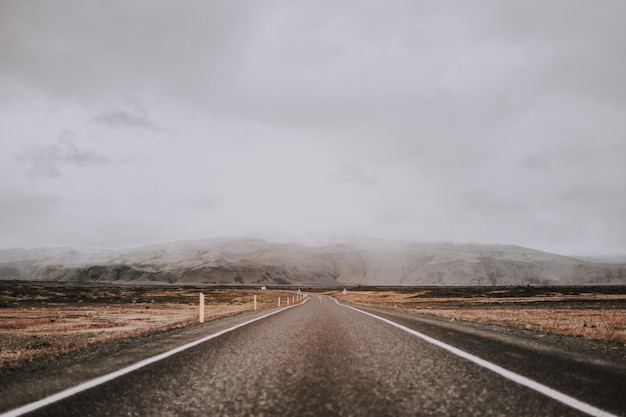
{"points": [[37, 320], [592, 314]]}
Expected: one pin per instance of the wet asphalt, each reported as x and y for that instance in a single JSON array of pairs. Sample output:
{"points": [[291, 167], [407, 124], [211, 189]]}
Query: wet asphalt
{"points": [[324, 359]]}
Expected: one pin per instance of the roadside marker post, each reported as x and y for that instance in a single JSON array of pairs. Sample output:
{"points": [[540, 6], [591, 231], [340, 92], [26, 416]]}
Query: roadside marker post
{"points": [[254, 302], [201, 314], [278, 301]]}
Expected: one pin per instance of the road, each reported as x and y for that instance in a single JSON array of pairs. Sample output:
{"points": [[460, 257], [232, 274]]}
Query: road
{"points": [[326, 359]]}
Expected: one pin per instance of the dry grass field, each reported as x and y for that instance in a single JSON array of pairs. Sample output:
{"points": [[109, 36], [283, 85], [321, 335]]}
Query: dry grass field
{"points": [[594, 314], [40, 321]]}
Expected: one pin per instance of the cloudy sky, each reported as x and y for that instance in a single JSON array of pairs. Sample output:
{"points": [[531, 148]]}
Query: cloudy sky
{"points": [[125, 123]]}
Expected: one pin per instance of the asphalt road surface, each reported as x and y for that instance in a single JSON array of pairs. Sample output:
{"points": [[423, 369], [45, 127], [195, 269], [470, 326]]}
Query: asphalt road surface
{"points": [[326, 359]]}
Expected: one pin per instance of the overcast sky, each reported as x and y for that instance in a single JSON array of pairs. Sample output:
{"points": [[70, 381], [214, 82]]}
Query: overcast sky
{"points": [[126, 122]]}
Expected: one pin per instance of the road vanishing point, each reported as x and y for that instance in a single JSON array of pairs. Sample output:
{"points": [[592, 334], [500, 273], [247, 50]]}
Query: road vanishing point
{"points": [[325, 358]]}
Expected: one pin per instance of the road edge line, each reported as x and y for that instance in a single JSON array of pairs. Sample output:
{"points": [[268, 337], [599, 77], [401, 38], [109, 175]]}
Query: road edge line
{"points": [[110, 376], [520, 379]]}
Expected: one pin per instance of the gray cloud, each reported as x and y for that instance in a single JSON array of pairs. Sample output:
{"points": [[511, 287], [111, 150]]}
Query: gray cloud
{"points": [[493, 121], [25, 216], [95, 50], [537, 162], [121, 118], [45, 160], [346, 173]]}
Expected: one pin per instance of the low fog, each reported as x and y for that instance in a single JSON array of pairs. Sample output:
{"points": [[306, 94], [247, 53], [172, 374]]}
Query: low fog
{"points": [[130, 123]]}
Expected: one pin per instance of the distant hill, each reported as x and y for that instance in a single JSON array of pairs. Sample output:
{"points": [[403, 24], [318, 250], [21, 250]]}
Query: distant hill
{"points": [[603, 259], [256, 262]]}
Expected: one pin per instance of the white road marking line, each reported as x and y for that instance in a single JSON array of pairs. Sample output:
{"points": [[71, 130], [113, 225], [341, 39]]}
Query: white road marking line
{"points": [[522, 380], [108, 377]]}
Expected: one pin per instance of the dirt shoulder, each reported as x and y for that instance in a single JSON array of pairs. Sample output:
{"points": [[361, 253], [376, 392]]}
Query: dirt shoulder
{"points": [[591, 312], [48, 322]]}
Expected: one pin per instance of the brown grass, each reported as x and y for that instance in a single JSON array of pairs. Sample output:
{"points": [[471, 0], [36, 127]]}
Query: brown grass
{"points": [[594, 316], [49, 322]]}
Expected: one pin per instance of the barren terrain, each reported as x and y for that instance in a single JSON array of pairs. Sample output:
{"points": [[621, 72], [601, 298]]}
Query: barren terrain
{"points": [[46, 320], [41, 320], [591, 312], [257, 262]]}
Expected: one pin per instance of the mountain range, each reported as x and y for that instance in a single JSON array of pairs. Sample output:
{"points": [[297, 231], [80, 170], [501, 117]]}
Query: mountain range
{"points": [[257, 262]]}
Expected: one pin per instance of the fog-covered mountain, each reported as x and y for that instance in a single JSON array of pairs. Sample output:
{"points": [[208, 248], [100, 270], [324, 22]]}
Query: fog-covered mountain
{"points": [[222, 261]]}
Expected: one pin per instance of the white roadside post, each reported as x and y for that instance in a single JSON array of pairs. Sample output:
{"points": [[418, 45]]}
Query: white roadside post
{"points": [[254, 302], [201, 318]]}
